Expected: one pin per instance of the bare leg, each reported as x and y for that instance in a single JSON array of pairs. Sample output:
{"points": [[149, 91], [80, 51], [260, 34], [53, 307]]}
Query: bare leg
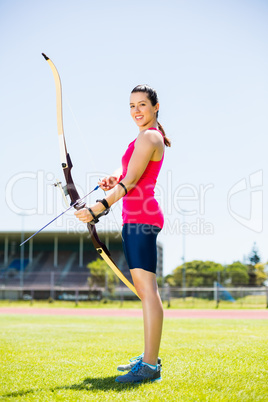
{"points": [[146, 286]]}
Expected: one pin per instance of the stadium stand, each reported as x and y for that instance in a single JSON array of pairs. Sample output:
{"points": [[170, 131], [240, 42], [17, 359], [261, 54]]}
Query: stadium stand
{"points": [[54, 261]]}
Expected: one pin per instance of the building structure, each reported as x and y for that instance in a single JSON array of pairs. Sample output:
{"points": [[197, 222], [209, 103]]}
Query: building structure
{"points": [[56, 260]]}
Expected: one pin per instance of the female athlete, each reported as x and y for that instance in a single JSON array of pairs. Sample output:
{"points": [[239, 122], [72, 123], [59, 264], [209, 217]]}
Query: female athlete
{"points": [[142, 221]]}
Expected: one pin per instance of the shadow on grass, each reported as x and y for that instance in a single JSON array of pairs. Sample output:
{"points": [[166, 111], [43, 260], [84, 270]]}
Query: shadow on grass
{"points": [[89, 384], [98, 384]]}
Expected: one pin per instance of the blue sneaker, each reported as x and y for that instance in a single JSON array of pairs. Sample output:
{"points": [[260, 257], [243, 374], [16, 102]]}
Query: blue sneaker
{"points": [[132, 362], [140, 373]]}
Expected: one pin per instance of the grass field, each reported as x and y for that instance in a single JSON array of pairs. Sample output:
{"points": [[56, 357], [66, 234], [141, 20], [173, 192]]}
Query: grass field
{"points": [[247, 302], [56, 358]]}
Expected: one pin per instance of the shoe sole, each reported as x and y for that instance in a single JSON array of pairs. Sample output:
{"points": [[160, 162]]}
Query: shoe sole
{"points": [[157, 379], [142, 381]]}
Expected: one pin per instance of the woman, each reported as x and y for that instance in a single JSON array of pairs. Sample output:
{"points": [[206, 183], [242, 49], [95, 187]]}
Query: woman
{"points": [[142, 221]]}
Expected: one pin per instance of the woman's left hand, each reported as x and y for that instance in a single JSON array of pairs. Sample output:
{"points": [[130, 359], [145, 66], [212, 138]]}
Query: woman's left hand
{"points": [[84, 215]]}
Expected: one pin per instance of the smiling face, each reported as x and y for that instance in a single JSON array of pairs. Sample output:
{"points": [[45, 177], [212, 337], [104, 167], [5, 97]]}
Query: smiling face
{"points": [[142, 110]]}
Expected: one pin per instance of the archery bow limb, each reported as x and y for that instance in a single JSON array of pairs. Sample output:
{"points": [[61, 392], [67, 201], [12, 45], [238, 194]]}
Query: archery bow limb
{"points": [[66, 164]]}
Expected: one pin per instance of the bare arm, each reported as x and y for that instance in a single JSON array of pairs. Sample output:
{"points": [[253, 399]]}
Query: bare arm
{"points": [[146, 146]]}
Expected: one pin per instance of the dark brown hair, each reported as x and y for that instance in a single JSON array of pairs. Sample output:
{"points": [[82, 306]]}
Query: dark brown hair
{"points": [[152, 96]]}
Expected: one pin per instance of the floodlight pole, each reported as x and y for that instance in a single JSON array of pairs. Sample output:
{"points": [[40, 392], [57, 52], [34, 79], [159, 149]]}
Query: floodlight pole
{"points": [[183, 258], [184, 267], [22, 254]]}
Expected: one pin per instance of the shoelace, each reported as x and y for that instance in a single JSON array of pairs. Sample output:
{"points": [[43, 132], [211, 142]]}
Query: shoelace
{"points": [[136, 367], [136, 358]]}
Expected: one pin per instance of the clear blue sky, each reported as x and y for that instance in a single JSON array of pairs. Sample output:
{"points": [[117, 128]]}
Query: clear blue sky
{"points": [[208, 61]]}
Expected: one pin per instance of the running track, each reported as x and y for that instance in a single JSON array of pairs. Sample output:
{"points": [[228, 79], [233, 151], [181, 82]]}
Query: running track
{"points": [[228, 314]]}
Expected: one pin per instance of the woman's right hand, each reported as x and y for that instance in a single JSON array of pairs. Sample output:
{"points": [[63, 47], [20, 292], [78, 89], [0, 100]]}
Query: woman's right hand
{"points": [[108, 182]]}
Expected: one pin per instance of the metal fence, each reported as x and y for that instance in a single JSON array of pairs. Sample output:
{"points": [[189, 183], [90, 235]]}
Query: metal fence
{"points": [[237, 297], [76, 287]]}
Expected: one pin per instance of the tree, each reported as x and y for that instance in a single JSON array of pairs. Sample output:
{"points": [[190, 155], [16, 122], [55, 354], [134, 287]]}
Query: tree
{"points": [[257, 274], [238, 273], [99, 271], [256, 270], [198, 273], [253, 256], [170, 280]]}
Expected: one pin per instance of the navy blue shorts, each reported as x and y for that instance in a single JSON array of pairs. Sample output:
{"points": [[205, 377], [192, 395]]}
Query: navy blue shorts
{"points": [[139, 243]]}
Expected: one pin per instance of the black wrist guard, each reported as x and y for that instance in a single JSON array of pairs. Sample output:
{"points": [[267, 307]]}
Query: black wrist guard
{"points": [[104, 203], [96, 217]]}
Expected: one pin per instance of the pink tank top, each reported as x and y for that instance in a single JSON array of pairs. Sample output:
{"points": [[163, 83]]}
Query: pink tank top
{"points": [[139, 204]]}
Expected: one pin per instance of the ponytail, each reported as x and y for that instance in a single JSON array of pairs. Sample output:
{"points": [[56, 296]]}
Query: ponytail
{"points": [[167, 141]]}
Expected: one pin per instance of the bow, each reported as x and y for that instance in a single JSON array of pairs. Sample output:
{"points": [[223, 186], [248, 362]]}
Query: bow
{"points": [[70, 188]]}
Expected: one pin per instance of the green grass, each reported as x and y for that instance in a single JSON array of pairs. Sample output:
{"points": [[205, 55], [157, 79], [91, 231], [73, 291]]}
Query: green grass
{"points": [[60, 358], [70, 304], [247, 302]]}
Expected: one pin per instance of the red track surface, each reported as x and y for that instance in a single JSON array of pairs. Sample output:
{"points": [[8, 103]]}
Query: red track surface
{"points": [[229, 314]]}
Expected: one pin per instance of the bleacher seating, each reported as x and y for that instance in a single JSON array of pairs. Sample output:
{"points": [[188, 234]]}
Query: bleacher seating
{"points": [[42, 271]]}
